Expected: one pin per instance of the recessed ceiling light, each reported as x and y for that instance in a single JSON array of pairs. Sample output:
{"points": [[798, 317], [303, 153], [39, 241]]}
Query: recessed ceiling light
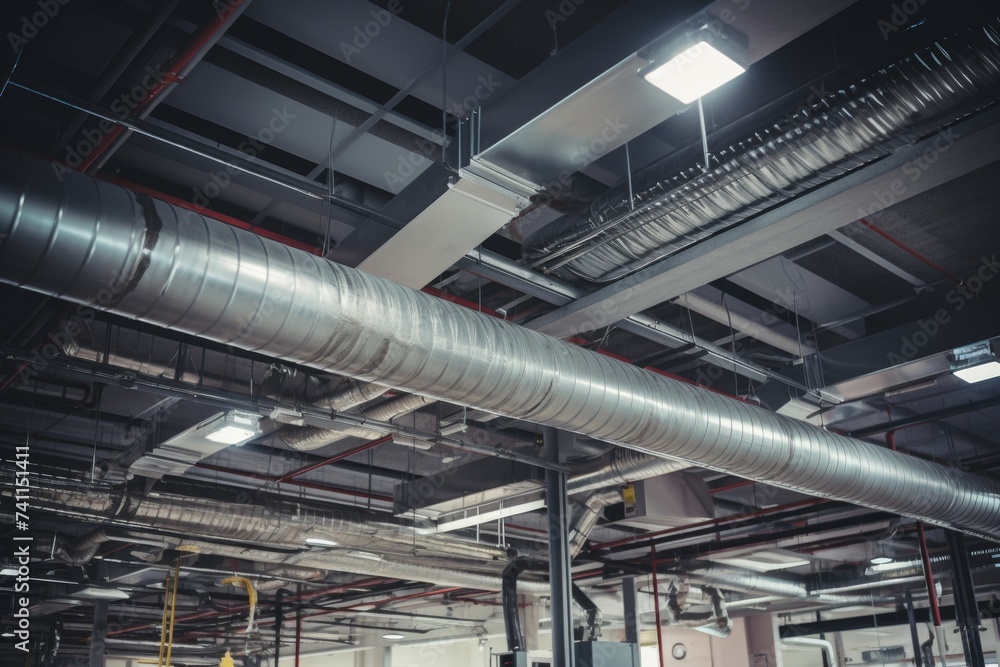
{"points": [[694, 72], [320, 542], [880, 560], [95, 593], [393, 635], [972, 374]]}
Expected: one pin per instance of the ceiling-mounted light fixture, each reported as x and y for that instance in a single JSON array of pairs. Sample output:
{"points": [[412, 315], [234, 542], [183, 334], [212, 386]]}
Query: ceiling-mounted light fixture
{"points": [[234, 428], [393, 635], [698, 61], [98, 593], [975, 363], [879, 555], [320, 542]]}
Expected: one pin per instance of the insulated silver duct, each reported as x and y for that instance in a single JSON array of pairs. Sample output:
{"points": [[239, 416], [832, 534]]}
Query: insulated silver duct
{"points": [[625, 466], [285, 525], [845, 130], [102, 246], [308, 437], [779, 585]]}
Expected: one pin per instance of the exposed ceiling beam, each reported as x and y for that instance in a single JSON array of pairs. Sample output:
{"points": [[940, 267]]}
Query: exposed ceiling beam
{"points": [[935, 160]]}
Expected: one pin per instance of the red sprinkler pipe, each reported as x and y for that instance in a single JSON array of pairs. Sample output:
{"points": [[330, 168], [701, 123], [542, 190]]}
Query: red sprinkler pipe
{"points": [[925, 557], [174, 73]]}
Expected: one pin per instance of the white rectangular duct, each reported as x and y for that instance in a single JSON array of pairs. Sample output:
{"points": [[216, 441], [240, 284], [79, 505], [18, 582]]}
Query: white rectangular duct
{"points": [[467, 214]]}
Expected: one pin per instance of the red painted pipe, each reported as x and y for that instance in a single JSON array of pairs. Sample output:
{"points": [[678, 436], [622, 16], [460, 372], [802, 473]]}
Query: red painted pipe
{"points": [[333, 459], [245, 607], [215, 215], [296, 482], [925, 557], [711, 522], [912, 252], [172, 75]]}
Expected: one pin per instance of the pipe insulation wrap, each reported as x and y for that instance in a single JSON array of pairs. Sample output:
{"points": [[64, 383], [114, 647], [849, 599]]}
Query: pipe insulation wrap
{"points": [[102, 246], [843, 131]]}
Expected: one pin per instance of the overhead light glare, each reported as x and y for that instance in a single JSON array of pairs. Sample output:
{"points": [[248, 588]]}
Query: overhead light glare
{"points": [[980, 373], [880, 560], [234, 428], [320, 542], [694, 72], [95, 593], [393, 635]]}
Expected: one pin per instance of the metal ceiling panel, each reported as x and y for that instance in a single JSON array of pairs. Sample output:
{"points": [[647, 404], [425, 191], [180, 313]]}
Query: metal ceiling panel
{"points": [[370, 38], [274, 119]]}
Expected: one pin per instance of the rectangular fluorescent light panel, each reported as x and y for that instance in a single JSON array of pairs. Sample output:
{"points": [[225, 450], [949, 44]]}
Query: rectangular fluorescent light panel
{"points": [[972, 374], [230, 435], [694, 72]]}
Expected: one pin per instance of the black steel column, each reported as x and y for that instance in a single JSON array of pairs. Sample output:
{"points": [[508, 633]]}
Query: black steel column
{"points": [[100, 632], [559, 554], [914, 637], [966, 609], [631, 613], [279, 618]]}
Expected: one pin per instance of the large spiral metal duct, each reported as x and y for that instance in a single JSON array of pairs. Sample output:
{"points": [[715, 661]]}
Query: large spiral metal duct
{"points": [[841, 132], [102, 246]]}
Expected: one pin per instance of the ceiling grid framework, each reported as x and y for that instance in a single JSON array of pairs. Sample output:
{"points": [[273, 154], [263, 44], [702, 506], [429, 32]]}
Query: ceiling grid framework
{"points": [[333, 273]]}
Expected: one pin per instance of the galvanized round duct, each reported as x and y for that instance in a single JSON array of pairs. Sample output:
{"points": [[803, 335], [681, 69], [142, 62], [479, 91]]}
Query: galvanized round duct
{"points": [[841, 132], [101, 246]]}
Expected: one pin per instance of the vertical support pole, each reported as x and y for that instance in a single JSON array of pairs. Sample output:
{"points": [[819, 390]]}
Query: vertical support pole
{"points": [[822, 653], [559, 554], [279, 617], [100, 631], [918, 660], [966, 609], [656, 606], [298, 623], [631, 611]]}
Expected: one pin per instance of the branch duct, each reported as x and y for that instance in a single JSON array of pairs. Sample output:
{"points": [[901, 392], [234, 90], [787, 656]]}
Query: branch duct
{"points": [[101, 246], [843, 131], [285, 525], [308, 437]]}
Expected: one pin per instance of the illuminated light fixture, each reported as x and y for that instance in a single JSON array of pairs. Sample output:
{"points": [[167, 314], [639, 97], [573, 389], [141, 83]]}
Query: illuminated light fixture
{"points": [[698, 62], [880, 555], [975, 363], [94, 593], [393, 635], [8, 572], [234, 428], [320, 542]]}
